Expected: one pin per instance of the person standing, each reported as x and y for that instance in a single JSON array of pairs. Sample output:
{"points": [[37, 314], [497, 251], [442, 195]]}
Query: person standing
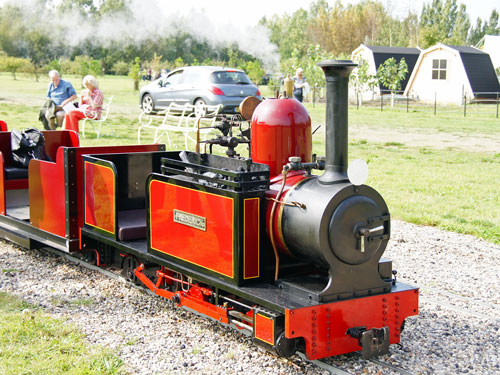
{"points": [[91, 100], [300, 85], [59, 93]]}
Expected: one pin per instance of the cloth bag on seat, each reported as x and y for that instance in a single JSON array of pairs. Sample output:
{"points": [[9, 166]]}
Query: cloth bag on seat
{"points": [[26, 145]]}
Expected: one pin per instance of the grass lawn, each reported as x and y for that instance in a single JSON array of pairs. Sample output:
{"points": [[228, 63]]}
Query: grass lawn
{"points": [[31, 342], [433, 170]]}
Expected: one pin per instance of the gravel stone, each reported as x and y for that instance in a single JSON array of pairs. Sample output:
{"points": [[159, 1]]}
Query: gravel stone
{"points": [[457, 331]]}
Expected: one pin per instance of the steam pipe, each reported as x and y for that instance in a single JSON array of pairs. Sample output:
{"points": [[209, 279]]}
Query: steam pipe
{"points": [[337, 77]]}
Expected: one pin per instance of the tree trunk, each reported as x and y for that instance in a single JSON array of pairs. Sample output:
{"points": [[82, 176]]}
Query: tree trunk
{"points": [[392, 98]]}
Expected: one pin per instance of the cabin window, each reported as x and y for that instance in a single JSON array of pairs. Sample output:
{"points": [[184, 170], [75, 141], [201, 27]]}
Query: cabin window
{"points": [[438, 69]]}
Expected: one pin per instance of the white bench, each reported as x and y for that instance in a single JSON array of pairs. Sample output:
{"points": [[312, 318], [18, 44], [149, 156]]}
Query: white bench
{"points": [[97, 124], [179, 119]]}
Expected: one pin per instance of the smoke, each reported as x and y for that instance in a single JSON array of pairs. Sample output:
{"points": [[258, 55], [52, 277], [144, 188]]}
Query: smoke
{"points": [[147, 20]]}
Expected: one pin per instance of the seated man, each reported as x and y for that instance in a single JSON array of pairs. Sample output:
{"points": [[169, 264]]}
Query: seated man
{"points": [[59, 93]]}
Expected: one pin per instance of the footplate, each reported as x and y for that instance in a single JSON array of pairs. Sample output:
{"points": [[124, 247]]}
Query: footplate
{"points": [[374, 342]]}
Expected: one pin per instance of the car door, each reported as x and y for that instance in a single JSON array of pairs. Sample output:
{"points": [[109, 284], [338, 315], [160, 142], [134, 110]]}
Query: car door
{"points": [[194, 81], [170, 87]]}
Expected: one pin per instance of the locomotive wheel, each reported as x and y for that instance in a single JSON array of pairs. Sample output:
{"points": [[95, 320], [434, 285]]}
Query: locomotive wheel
{"points": [[148, 106], [199, 107], [285, 347], [90, 256], [129, 265]]}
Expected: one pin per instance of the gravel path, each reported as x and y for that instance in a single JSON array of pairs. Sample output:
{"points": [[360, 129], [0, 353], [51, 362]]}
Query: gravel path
{"points": [[457, 331]]}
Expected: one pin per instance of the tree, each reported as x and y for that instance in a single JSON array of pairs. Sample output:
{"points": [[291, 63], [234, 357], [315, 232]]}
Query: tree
{"points": [[254, 71], [482, 28], [13, 64], [121, 68], [492, 27], [85, 8], [391, 73], [135, 72], [444, 22], [155, 64], [361, 80], [84, 65], [461, 29]]}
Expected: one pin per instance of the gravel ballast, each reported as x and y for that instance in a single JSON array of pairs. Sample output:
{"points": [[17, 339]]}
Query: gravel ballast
{"points": [[457, 331]]}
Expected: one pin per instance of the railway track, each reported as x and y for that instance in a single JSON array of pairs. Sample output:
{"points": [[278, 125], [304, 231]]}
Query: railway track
{"points": [[376, 365], [116, 275]]}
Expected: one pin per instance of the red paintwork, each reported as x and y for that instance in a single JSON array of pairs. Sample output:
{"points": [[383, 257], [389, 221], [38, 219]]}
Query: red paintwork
{"points": [[194, 299], [47, 195], [3, 126], [264, 328], [100, 197], [47, 189], [292, 178], [251, 238], [53, 139], [280, 128], [2, 186], [211, 249], [324, 327]]}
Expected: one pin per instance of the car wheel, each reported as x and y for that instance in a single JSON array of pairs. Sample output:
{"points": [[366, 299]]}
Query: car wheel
{"points": [[199, 107], [148, 105]]}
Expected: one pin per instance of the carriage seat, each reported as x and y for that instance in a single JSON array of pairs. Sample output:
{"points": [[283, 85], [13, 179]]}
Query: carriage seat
{"points": [[132, 225], [14, 173]]}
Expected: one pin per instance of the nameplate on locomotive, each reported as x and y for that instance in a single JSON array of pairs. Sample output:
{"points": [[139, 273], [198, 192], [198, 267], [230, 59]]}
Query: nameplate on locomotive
{"points": [[190, 220]]}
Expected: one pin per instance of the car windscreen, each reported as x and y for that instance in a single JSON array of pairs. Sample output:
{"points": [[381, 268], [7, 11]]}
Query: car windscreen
{"points": [[230, 77]]}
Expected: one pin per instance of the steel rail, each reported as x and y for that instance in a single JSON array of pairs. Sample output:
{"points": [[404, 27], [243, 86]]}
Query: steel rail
{"points": [[392, 367], [325, 366]]}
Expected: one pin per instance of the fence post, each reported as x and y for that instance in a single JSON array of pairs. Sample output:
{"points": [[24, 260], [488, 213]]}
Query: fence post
{"points": [[435, 100], [407, 103], [381, 101], [465, 105], [497, 104]]}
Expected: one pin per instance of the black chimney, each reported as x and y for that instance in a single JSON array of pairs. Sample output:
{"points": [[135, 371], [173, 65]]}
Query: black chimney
{"points": [[337, 77]]}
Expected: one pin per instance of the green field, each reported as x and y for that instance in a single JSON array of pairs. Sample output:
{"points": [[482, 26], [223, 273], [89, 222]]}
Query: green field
{"points": [[433, 170], [31, 342]]}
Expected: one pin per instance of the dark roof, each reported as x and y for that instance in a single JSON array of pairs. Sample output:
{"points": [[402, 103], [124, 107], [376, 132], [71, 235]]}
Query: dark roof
{"points": [[466, 49], [400, 50], [479, 69], [381, 54]]}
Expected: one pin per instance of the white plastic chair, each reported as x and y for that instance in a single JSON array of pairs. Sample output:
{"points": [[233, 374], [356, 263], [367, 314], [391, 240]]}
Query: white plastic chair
{"points": [[97, 124]]}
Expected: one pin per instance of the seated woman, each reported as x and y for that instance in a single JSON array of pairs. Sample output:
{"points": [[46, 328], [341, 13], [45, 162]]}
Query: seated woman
{"points": [[90, 104]]}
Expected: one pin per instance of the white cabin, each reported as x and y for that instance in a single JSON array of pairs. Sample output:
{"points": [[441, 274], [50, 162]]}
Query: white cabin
{"points": [[447, 74]]}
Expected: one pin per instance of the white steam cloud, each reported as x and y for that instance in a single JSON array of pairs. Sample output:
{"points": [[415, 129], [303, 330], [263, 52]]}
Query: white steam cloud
{"points": [[149, 20]]}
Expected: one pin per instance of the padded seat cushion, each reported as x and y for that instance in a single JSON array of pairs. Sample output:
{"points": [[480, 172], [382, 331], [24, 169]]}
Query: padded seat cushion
{"points": [[131, 225], [13, 173]]}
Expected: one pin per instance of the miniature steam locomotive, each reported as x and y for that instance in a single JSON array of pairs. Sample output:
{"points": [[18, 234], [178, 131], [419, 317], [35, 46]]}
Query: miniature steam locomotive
{"points": [[260, 244]]}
